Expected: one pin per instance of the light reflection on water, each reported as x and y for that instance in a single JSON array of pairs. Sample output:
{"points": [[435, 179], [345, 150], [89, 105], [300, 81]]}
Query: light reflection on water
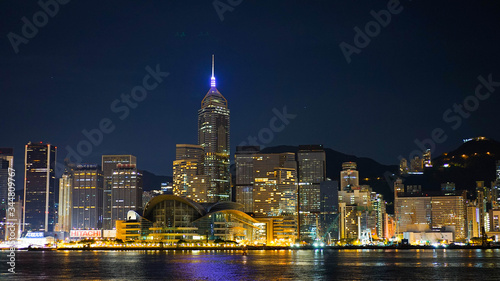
{"points": [[257, 265]]}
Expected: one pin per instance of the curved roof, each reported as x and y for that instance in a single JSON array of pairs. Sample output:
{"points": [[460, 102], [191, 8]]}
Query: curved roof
{"points": [[234, 212], [224, 205], [166, 197]]}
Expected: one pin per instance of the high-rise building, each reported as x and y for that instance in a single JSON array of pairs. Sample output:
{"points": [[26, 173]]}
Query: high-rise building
{"points": [[213, 136], [275, 184], [412, 213], [65, 202], [473, 222], [427, 159], [349, 177], [311, 161], [378, 214], [109, 163], [449, 211], [403, 166], [244, 160], [329, 209], [39, 181], [416, 165], [126, 194], [417, 213], [87, 197], [188, 177]]}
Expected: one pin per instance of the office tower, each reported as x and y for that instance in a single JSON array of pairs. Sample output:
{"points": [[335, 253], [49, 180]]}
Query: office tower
{"points": [[88, 182], [311, 161], [329, 205], [275, 184], [39, 180], [244, 159], [416, 165], [191, 151], [109, 163], [65, 202], [399, 187], [188, 178], [377, 214], [349, 177], [126, 194], [494, 220], [481, 203], [412, 213], [473, 223], [6, 162], [188, 183], [213, 136], [449, 211], [403, 166], [349, 220], [389, 226], [427, 159]]}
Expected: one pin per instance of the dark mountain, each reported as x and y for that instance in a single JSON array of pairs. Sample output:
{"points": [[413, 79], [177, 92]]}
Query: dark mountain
{"points": [[473, 161], [151, 181]]}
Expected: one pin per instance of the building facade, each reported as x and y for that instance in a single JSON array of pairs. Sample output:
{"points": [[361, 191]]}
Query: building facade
{"points": [[349, 176], [213, 136], [188, 175], [311, 160], [109, 163], [39, 184], [126, 191], [87, 202], [65, 202]]}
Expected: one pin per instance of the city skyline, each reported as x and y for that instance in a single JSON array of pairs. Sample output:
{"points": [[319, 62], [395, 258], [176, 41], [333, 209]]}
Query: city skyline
{"points": [[81, 81]]}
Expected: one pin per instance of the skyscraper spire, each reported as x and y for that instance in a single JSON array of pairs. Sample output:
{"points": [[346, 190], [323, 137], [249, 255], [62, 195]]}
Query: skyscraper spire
{"points": [[212, 80]]}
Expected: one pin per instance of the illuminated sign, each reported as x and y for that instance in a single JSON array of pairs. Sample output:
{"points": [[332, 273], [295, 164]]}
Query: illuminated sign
{"points": [[85, 233], [34, 235]]}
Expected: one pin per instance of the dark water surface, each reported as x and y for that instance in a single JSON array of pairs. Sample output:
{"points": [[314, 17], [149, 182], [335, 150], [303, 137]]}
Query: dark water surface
{"points": [[439, 264]]}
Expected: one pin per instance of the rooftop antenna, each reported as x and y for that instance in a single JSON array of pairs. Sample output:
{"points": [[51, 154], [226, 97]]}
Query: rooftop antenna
{"points": [[212, 80]]}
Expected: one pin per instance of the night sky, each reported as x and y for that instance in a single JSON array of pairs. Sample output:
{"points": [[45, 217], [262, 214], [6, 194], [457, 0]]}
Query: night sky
{"points": [[269, 55]]}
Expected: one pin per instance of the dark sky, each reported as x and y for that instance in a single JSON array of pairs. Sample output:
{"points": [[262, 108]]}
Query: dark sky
{"points": [[269, 54]]}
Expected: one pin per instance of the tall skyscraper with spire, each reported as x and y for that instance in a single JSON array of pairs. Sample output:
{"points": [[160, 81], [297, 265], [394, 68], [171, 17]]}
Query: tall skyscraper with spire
{"points": [[213, 136]]}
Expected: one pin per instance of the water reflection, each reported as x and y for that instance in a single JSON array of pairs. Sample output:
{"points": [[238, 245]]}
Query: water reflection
{"points": [[322, 264]]}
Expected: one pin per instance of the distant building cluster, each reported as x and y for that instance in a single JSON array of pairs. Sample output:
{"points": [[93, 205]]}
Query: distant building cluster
{"points": [[273, 198]]}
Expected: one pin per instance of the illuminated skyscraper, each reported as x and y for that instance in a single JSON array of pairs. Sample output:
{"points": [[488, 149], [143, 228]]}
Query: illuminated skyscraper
{"points": [[39, 180], [87, 197], [244, 161], [109, 163], [312, 171], [213, 136], [126, 191], [275, 184], [427, 158], [65, 202], [188, 178]]}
